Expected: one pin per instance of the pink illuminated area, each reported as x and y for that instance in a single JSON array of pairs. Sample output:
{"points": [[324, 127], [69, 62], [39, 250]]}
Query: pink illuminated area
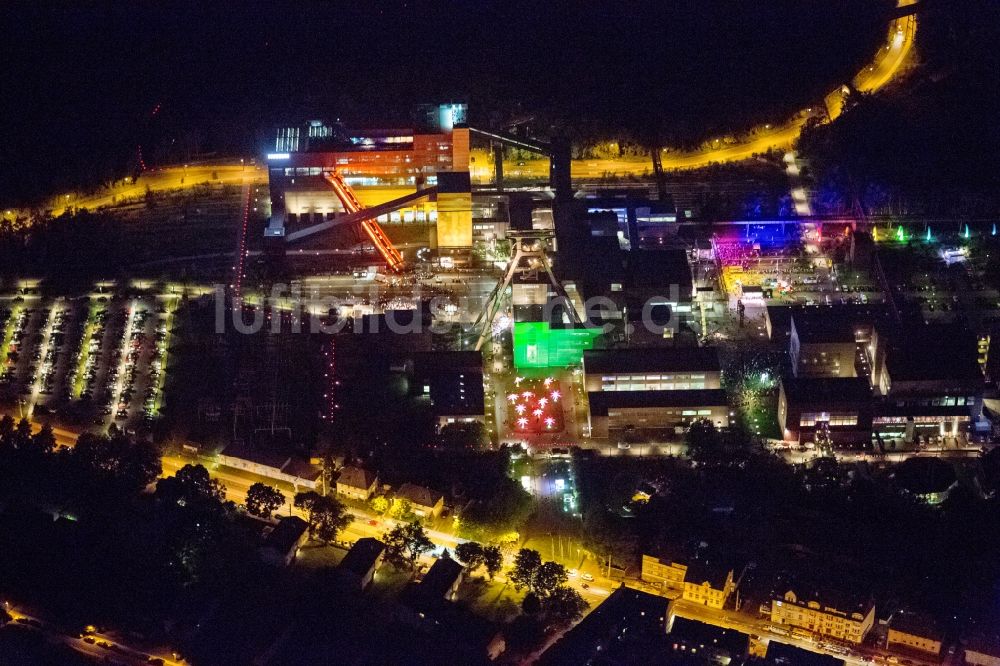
{"points": [[536, 407]]}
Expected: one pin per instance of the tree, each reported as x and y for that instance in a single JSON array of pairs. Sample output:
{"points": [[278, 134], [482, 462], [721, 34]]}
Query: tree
{"points": [[326, 515], [6, 430], [44, 441], [524, 635], [470, 554], [540, 578], [402, 509], [191, 485], [134, 464], [464, 436], [548, 577], [307, 501], [380, 504], [526, 564], [563, 606], [492, 560], [702, 440], [531, 604], [263, 500], [505, 509], [404, 544], [22, 433]]}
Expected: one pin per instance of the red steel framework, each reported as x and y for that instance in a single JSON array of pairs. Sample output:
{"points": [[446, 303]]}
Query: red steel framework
{"points": [[370, 226]]}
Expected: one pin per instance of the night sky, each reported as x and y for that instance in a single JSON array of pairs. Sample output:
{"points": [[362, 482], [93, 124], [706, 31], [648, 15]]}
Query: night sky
{"points": [[85, 81]]}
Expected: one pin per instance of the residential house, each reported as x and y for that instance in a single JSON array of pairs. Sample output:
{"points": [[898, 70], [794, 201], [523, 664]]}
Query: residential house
{"points": [[708, 583], [443, 579], [357, 570], [828, 614], [283, 541], [628, 627], [428, 606], [426, 503], [721, 645], [356, 483], [914, 633], [982, 649], [698, 580]]}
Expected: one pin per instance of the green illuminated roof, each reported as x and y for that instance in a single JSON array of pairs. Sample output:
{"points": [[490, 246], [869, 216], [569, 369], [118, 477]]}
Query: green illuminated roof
{"points": [[538, 345]]}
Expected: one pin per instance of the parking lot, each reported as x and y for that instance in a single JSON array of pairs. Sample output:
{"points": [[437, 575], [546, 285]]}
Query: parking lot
{"points": [[92, 360]]}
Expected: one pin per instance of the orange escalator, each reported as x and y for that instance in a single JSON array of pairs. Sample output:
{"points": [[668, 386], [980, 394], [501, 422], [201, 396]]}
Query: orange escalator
{"points": [[370, 226]]}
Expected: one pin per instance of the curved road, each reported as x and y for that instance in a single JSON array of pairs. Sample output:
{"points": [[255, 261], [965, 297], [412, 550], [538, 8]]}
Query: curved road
{"points": [[887, 63], [885, 66]]}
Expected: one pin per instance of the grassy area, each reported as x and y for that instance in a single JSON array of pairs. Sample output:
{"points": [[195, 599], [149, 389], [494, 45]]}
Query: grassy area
{"points": [[80, 369], [760, 416], [389, 582], [8, 333], [315, 555], [494, 600], [170, 306]]}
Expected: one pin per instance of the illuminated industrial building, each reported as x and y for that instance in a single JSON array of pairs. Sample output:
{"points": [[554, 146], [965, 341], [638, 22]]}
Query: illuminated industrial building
{"points": [[538, 344], [929, 381], [662, 389], [666, 412], [379, 166], [842, 405], [663, 369], [822, 345]]}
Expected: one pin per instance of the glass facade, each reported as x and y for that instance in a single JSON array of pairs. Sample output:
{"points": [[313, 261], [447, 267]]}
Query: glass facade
{"points": [[809, 419], [653, 382]]}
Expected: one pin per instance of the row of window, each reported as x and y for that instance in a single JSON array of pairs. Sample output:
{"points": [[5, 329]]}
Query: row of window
{"points": [[820, 360], [287, 140], [809, 419], [652, 386], [314, 171], [946, 401], [320, 131], [651, 377], [825, 624], [927, 420], [371, 141], [669, 412], [366, 181], [653, 382], [406, 216]]}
